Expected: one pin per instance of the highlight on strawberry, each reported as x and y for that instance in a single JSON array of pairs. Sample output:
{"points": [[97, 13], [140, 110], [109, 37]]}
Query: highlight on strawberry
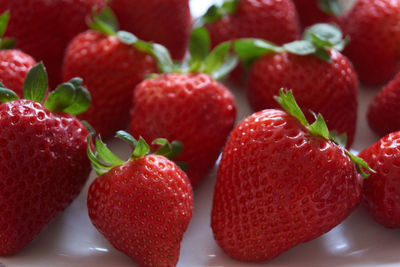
{"points": [[281, 182], [322, 79], [143, 205], [186, 103], [43, 156]]}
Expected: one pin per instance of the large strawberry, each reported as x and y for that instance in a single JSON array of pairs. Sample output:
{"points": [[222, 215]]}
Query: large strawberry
{"points": [[384, 110], [43, 158], [110, 69], [43, 28], [142, 206], [281, 182], [164, 22], [14, 64], [190, 107], [314, 11], [382, 189], [374, 30], [321, 77]]}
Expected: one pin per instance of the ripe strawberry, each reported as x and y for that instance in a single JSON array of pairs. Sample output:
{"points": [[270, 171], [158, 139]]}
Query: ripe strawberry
{"points": [[14, 64], [374, 30], [321, 77], [164, 22], [382, 189], [314, 11], [43, 28], [142, 206], [43, 159], [383, 112], [281, 182], [110, 69], [190, 107], [273, 20]]}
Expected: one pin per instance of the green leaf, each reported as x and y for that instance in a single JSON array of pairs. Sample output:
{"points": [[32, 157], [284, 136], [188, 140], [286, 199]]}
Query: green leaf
{"points": [[105, 154], [216, 58], [4, 18], [288, 103], [215, 12], [183, 165], [81, 101], [126, 137], [250, 50], [105, 22], [323, 54], [127, 37], [229, 64], [342, 44], [319, 128], [35, 84], [7, 95], [88, 127], [302, 47], [323, 35], [7, 43], [141, 149], [199, 44], [60, 98], [168, 150], [340, 140], [361, 164], [331, 7], [159, 53], [97, 165]]}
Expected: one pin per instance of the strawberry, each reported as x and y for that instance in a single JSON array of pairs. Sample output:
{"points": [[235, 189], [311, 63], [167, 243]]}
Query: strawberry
{"points": [[43, 159], [321, 77], [374, 30], [383, 111], [190, 107], [43, 28], [314, 11], [281, 182], [110, 69], [142, 206], [382, 189], [14, 64], [274, 20], [164, 22]]}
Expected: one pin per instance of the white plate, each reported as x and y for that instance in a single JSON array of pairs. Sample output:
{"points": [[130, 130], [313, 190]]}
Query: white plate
{"points": [[71, 240]]}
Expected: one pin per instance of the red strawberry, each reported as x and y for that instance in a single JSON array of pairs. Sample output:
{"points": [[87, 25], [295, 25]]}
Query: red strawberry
{"points": [[281, 182], [43, 28], [142, 206], [382, 189], [273, 20], [374, 30], [383, 112], [43, 159], [326, 85], [110, 69], [192, 108], [314, 11], [164, 22]]}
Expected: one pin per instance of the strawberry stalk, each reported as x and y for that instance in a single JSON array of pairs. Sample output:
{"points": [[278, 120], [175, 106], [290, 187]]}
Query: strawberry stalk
{"points": [[319, 128], [104, 160], [69, 97], [317, 40]]}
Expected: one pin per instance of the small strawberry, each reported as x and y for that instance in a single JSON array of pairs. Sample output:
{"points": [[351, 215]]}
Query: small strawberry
{"points": [[382, 189], [43, 28], [164, 22], [321, 77], [314, 11], [111, 69], [281, 182], [14, 64], [190, 107], [374, 30], [43, 158], [142, 206], [384, 110], [274, 20]]}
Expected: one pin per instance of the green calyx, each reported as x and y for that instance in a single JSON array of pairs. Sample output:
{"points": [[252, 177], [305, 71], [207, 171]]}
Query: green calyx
{"points": [[317, 40], [216, 12], [331, 7], [5, 43], [69, 97], [319, 128], [104, 160]]}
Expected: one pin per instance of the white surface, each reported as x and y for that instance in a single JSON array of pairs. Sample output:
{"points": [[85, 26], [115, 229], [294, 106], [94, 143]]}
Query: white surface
{"points": [[71, 240]]}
